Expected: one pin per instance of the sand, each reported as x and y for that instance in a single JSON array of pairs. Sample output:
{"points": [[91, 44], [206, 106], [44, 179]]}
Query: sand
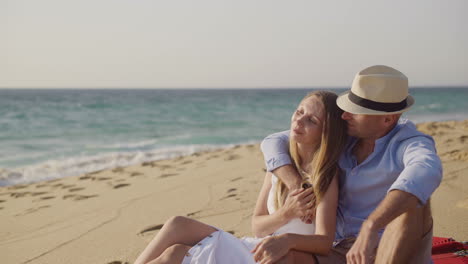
{"points": [[109, 216]]}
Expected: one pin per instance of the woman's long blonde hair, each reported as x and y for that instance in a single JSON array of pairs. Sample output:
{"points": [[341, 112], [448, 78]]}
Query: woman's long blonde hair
{"points": [[325, 160]]}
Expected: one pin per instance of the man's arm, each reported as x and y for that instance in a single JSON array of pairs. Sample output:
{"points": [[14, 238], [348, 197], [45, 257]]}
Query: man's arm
{"points": [[275, 150], [395, 203], [420, 177]]}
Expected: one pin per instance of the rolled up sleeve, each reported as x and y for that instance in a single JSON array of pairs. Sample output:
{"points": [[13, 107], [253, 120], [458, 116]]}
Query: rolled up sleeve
{"points": [[275, 149], [422, 171]]}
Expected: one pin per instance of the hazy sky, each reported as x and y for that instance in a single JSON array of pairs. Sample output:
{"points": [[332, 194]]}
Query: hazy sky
{"points": [[228, 44]]}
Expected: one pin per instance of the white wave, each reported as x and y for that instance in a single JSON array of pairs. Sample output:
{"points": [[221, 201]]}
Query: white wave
{"points": [[53, 169], [139, 144]]}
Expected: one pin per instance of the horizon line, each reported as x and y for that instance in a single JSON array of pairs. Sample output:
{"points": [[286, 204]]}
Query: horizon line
{"points": [[217, 88]]}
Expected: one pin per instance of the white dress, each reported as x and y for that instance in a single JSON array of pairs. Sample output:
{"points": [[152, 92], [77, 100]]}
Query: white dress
{"points": [[222, 247]]}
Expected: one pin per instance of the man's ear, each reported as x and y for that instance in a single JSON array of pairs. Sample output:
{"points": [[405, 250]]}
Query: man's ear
{"points": [[390, 120]]}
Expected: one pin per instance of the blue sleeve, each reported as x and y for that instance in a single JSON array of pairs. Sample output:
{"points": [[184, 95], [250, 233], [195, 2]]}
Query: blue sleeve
{"points": [[422, 171], [275, 150]]}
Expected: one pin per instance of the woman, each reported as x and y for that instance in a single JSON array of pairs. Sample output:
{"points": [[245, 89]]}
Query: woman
{"points": [[317, 138]]}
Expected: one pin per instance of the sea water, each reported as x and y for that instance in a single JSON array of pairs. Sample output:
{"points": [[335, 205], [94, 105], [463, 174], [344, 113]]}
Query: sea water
{"points": [[53, 133]]}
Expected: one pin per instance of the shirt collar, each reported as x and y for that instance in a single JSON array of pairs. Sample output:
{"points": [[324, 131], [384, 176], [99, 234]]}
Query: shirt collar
{"points": [[380, 141]]}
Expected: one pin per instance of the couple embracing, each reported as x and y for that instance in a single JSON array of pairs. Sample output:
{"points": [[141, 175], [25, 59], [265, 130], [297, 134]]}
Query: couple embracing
{"points": [[350, 182]]}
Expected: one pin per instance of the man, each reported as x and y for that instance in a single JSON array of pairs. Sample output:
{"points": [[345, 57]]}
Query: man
{"points": [[389, 169]]}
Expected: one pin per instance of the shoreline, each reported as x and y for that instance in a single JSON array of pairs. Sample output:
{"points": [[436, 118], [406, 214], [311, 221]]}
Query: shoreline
{"points": [[74, 166], [111, 215]]}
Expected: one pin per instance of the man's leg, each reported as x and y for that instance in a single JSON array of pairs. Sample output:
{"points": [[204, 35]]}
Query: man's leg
{"points": [[408, 238], [294, 257], [337, 254]]}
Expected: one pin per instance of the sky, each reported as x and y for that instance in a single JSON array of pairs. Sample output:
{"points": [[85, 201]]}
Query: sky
{"points": [[229, 44]]}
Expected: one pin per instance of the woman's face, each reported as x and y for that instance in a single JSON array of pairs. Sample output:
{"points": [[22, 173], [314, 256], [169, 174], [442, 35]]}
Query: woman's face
{"points": [[307, 121]]}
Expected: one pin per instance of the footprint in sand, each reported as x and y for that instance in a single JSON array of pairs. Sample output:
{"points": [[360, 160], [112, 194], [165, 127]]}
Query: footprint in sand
{"points": [[463, 138], [86, 177], [32, 210], [41, 185], [168, 175], [231, 190], [2, 201], [213, 157], [461, 155], [236, 179], [164, 167], [16, 187], [95, 172], [121, 185], [118, 170], [76, 189], [133, 174], [76, 197], [193, 213], [150, 228], [68, 186], [186, 162], [229, 196], [44, 198], [118, 262], [38, 193], [103, 178], [448, 140], [19, 194], [145, 164], [231, 157]]}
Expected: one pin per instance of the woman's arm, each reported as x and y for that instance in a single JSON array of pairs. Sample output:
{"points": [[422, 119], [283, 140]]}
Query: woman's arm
{"points": [[263, 223], [325, 225], [273, 248]]}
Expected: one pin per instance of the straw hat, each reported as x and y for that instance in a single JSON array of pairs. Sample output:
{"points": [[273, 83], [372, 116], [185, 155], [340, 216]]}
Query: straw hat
{"points": [[377, 90]]}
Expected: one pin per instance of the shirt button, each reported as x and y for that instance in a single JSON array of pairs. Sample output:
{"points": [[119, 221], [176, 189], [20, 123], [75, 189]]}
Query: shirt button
{"points": [[187, 254]]}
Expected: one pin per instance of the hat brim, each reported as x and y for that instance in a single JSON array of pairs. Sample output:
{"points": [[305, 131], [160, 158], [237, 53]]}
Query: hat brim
{"points": [[346, 105]]}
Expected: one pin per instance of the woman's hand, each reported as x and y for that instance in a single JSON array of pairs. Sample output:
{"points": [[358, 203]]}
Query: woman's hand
{"points": [[271, 249], [298, 204]]}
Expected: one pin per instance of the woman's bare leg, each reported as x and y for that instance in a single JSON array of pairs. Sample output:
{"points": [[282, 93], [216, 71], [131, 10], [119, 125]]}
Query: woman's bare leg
{"points": [[176, 230], [173, 254]]}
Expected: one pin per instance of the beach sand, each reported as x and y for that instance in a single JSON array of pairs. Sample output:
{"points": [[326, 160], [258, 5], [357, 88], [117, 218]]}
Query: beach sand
{"points": [[110, 216]]}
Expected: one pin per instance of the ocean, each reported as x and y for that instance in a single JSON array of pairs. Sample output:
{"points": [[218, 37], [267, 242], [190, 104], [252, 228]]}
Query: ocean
{"points": [[52, 133]]}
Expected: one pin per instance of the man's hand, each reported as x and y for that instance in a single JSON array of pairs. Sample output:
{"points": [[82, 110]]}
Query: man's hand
{"points": [[271, 249], [309, 217], [298, 204], [364, 249]]}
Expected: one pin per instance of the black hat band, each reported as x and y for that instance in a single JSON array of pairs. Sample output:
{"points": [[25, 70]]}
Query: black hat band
{"points": [[369, 104]]}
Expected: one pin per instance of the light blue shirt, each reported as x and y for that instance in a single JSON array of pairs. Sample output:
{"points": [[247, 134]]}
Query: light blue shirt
{"points": [[404, 159]]}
